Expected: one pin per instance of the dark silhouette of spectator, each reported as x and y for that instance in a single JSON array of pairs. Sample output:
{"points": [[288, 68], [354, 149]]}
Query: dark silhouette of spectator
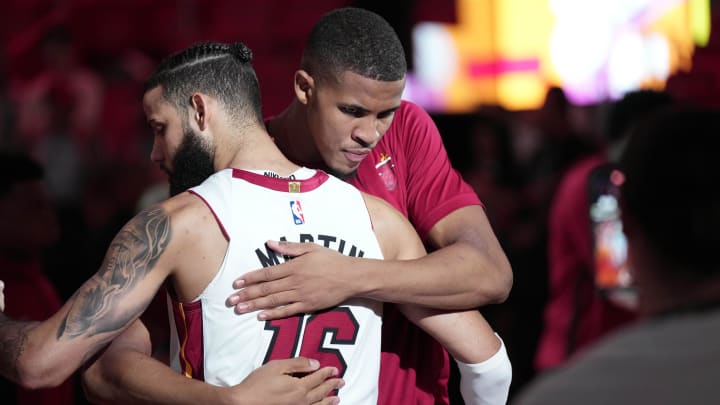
{"points": [[7, 112], [576, 314], [544, 143], [670, 207], [28, 225], [493, 170]]}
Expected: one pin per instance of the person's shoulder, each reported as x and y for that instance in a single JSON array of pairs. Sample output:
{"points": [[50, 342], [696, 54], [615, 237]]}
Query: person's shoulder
{"points": [[377, 206], [183, 209], [410, 109], [410, 123], [581, 381]]}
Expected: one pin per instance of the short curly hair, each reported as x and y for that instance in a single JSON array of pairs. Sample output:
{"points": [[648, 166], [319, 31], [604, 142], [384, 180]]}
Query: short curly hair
{"points": [[355, 40]]}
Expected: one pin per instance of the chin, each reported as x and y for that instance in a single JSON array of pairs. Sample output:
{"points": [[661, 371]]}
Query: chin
{"points": [[344, 175]]}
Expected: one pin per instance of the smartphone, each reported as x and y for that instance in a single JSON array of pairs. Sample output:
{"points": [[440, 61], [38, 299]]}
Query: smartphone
{"points": [[611, 272]]}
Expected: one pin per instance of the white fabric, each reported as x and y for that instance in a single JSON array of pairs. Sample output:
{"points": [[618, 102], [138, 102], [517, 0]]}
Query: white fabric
{"points": [[334, 214], [487, 382]]}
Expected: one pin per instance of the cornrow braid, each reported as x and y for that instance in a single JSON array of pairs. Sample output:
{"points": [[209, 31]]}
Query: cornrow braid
{"points": [[241, 52], [218, 69], [204, 51]]}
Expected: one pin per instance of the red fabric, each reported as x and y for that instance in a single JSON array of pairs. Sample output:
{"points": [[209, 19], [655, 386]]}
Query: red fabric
{"points": [[29, 296], [570, 273], [428, 188], [189, 327], [420, 182]]}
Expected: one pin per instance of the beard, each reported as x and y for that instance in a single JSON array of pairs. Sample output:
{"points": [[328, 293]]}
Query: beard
{"points": [[193, 163]]}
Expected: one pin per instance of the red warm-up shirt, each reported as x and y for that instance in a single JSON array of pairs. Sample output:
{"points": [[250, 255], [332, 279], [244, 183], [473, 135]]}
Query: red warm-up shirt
{"points": [[410, 169]]}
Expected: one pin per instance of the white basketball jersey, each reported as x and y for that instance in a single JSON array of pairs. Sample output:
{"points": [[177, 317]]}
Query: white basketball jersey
{"points": [[211, 342]]}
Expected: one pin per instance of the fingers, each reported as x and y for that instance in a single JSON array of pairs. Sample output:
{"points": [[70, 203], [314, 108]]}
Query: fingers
{"points": [[297, 365], [264, 290], [270, 302], [328, 401], [283, 312], [320, 384], [271, 273], [290, 248]]}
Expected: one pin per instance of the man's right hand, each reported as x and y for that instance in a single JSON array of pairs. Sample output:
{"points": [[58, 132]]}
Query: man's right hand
{"points": [[126, 374], [273, 383]]}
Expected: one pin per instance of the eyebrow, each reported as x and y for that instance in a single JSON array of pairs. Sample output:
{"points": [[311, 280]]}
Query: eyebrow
{"points": [[366, 111]]}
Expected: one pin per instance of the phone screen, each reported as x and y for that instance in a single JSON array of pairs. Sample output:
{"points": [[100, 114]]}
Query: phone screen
{"points": [[611, 272]]}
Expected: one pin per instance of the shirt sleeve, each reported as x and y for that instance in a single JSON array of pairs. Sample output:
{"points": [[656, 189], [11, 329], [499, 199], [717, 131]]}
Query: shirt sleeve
{"points": [[435, 188]]}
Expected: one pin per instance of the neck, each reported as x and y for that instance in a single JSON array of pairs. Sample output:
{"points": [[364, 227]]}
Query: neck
{"points": [[292, 135], [255, 150]]}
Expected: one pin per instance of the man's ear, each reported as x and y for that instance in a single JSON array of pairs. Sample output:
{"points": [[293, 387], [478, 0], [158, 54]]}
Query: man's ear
{"points": [[199, 110], [304, 86]]}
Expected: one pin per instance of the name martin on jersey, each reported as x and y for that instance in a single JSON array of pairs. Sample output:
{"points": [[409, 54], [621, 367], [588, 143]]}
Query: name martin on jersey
{"points": [[268, 257]]}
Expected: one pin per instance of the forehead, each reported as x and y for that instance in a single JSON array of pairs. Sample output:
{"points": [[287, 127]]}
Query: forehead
{"points": [[156, 107], [352, 88]]}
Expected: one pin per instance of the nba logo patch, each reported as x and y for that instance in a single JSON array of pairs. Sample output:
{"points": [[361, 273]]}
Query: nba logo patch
{"points": [[297, 213]]}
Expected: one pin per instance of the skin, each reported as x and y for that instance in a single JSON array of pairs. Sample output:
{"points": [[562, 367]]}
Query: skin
{"points": [[324, 127], [338, 126], [153, 246], [329, 121], [156, 245], [107, 379], [270, 384]]}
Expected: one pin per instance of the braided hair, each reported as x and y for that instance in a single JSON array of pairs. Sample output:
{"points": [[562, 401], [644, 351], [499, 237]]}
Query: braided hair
{"points": [[218, 69]]}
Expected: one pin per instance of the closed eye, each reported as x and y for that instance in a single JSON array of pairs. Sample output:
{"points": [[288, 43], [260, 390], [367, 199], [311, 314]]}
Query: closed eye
{"points": [[386, 114], [157, 129], [353, 111]]}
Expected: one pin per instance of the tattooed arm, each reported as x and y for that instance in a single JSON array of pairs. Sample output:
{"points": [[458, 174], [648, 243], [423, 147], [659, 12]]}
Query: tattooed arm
{"points": [[42, 354]]}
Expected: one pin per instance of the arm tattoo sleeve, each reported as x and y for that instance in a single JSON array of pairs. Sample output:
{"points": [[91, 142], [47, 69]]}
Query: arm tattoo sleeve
{"points": [[131, 256]]}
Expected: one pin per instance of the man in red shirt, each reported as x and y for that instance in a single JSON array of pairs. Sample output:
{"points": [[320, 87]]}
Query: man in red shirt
{"points": [[396, 153], [576, 314], [349, 121]]}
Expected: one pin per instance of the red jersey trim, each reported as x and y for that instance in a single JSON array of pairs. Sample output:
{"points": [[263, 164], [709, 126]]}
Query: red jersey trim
{"points": [[188, 322], [220, 224], [285, 185]]}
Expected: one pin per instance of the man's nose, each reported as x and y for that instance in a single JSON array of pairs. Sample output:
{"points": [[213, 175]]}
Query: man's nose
{"points": [[366, 135], [156, 154]]}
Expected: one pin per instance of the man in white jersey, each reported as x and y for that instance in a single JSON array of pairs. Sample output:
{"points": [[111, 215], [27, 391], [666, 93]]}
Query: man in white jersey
{"points": [[216, 345], [204, 108]]}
